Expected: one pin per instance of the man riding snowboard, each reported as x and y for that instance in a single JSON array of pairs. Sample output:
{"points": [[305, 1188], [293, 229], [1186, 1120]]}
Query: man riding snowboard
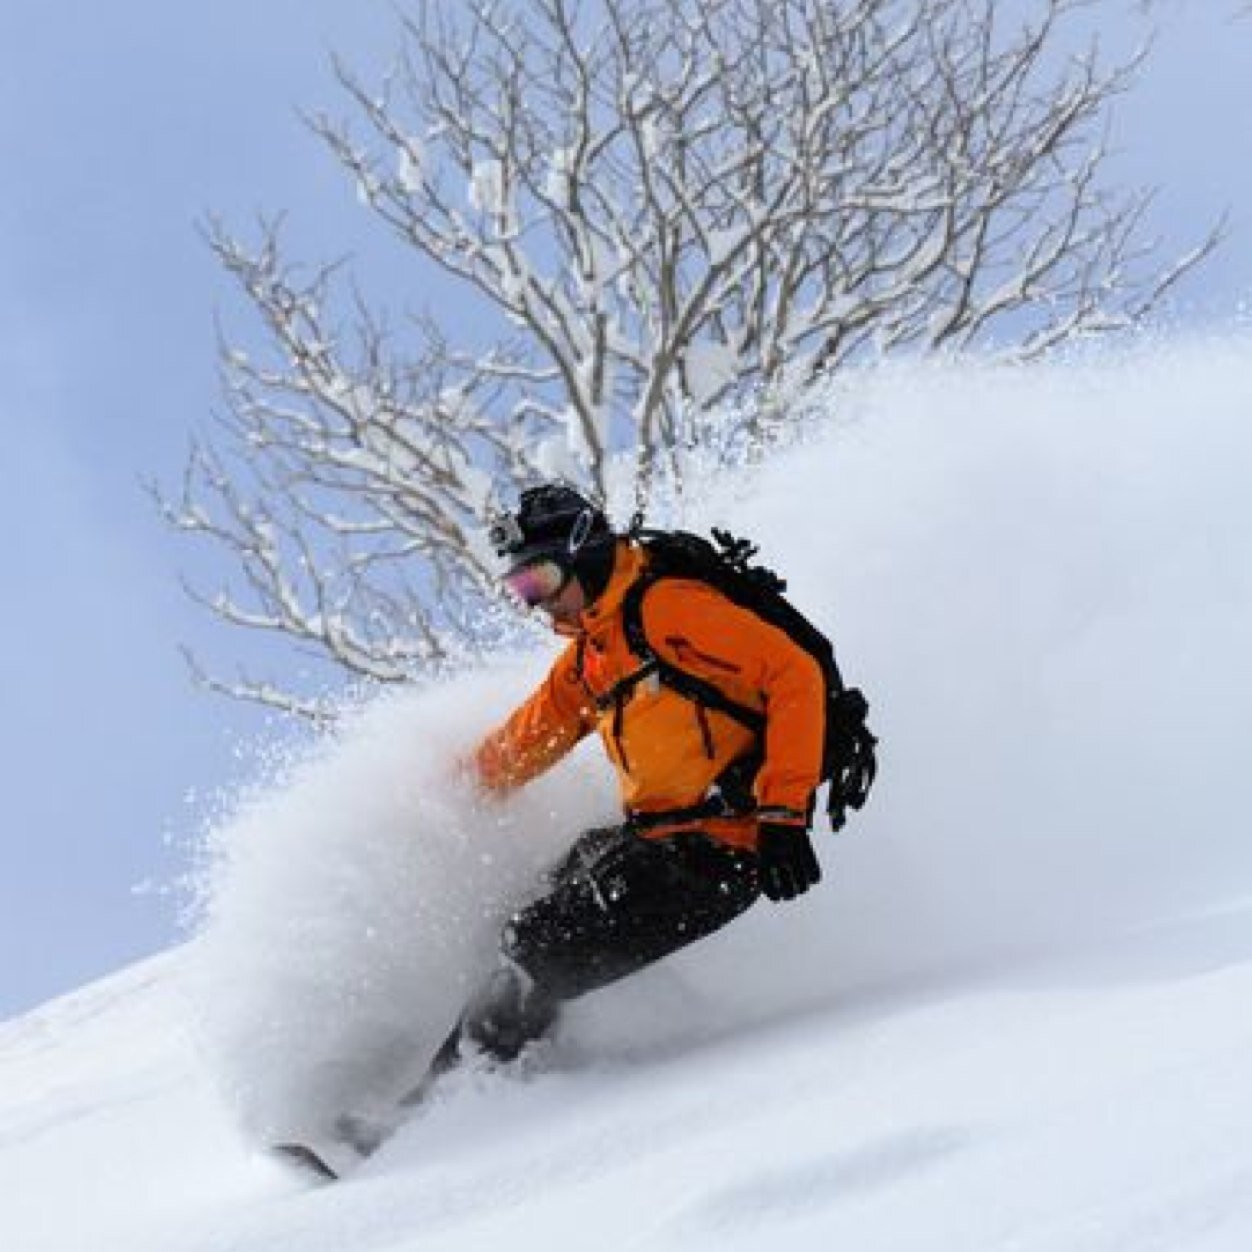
{"points": [[715, 812], [720, 708]]}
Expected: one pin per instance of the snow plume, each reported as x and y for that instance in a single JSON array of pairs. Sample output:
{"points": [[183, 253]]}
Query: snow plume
{"points": [[350, 905], [1039, 575]]}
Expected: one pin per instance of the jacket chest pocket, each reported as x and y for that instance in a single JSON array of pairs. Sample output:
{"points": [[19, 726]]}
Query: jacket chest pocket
{"points": [[657, 734]]}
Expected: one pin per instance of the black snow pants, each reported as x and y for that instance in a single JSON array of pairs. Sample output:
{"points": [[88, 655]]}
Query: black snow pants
{"points": [[617, 902]]}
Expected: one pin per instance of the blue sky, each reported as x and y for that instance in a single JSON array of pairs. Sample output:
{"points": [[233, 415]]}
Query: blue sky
{"points": [[121, 127]]}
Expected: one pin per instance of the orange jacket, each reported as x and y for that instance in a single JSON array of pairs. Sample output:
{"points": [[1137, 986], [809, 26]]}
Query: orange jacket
{"points": [[667, 749]]}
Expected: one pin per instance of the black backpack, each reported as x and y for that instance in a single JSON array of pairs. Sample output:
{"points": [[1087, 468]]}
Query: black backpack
{"points": [[849, 763]]}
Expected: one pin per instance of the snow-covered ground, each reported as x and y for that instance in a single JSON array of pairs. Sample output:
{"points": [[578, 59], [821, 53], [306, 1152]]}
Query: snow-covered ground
{"points": [[1014, 1016]]}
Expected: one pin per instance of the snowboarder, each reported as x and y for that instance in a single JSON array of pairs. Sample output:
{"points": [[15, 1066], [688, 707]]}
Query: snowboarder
{"points": [[721, 709], [715, 813]]}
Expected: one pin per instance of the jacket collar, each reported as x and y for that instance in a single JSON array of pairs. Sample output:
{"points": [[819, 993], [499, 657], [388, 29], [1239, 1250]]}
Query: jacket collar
{"points": [[628, 564]]}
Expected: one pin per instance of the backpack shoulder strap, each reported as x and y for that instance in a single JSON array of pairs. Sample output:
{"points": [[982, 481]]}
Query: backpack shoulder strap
{"points": [[700, 690]]}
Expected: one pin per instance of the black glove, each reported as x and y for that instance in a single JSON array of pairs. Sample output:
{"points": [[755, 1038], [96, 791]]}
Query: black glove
{"points": [[786, 862]]}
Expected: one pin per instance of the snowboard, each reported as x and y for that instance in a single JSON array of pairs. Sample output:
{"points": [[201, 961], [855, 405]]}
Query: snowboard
{"points": [[354, 1139], [304, 1160]]}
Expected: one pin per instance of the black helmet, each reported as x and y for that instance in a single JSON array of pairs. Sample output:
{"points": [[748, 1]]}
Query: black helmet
{"points": [[554, 522]]}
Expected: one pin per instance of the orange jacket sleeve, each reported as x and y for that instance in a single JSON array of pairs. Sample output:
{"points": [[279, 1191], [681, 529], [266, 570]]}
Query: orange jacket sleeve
{"points": [[701, 631], [540, 732]]}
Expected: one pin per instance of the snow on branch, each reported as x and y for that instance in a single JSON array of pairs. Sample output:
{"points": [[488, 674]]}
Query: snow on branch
{"points": [[346, 486], [674, 211]]}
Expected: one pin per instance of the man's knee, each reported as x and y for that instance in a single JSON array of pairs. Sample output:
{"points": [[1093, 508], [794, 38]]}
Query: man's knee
{"points": [[550, 945]]}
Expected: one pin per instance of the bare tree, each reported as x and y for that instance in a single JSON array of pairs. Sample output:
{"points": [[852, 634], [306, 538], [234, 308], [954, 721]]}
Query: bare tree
{"points": [[348, 486], [675, 211]]}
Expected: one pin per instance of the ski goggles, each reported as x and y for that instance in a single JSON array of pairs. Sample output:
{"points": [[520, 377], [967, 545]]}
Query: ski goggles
{"points": [[536, 583]]}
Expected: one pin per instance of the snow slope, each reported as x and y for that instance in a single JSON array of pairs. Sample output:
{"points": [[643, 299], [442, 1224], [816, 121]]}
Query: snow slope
{"points": [[1013, 1017]]}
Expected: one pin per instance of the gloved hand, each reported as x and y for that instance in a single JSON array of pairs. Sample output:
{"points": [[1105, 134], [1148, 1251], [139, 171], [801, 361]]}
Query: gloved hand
{"points": [[786, 862]]}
